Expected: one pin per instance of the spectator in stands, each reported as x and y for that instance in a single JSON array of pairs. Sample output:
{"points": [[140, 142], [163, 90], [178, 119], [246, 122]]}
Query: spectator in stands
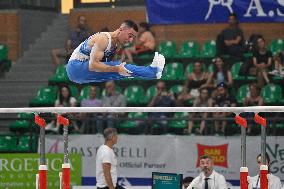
{"points": [[254, 99], [64, 100], [208, 178], [186, 182], [203, 100], [89, 125], [220, 74], [222, 99], [112, 98], [145, 43], [273, 181], [162, 99], [196, 80], [279, 65], [230, 41], [76, 36], [262, 61]]}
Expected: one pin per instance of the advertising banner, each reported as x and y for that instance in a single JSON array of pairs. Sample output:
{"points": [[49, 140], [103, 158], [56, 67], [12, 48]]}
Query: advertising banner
{"points": [[139, 156], [18, 171], [213, 11]]}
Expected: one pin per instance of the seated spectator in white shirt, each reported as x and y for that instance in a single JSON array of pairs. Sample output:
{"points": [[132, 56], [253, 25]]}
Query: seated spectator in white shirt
{"points": [[90, 121], [273, 181], [208, 178], [112, 98]]}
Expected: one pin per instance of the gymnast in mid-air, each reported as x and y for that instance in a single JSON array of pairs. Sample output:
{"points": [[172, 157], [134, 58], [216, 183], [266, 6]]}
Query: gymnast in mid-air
{"points": [[92, 61]]}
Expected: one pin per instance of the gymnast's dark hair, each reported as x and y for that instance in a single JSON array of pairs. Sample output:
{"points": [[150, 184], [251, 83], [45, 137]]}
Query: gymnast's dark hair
{"points": [[145, 25], [131, 24]]}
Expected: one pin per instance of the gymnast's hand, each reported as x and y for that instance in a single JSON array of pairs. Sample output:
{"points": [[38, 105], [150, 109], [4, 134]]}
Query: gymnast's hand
{"points": [[123, 71]]}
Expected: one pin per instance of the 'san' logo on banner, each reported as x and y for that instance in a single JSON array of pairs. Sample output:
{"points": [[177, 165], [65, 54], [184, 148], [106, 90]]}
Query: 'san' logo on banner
{"points": [[218, 153]]}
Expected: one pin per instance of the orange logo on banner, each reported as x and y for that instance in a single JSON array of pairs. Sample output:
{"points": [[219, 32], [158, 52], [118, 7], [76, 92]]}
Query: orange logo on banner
{"points": [[218, 153]]}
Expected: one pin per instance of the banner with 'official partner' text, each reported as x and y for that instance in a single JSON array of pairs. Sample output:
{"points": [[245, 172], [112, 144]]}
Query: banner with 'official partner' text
{"points": [[139, 156]]}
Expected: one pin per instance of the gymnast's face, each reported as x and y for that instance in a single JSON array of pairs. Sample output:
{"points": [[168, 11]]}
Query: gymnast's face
{"points": [[126, 35]]}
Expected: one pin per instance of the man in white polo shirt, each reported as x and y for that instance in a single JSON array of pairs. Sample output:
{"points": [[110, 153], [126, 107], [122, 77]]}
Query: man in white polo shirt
{"points": [[273, 181], [208, 178], [106, 162]]}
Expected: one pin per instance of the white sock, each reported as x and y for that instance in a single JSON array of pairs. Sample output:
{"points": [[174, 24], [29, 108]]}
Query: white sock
{"points": [[160, 66], [154, 62]]}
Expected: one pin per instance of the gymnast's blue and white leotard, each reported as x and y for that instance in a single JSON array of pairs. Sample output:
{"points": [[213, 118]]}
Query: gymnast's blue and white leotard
{"points": [[78, 65]]}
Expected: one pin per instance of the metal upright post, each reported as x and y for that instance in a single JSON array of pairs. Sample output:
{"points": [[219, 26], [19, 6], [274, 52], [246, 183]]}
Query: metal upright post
{"points": [[264, 164], [243, 169]]}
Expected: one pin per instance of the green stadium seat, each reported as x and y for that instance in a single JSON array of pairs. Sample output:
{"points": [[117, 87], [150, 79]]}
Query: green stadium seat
{"points": [[74, 90], [248, 55], [173, 71], [235, 72], [84, 94], [176, 89], [60, 76], [208, 49], [210, 68], [279, 125], [134, 95], [242, 93], [3, 52], [24, 144], [22, 125], [271, 94], [130, 127], [276, 46], [178, 126], [46, 96], [145, 56], [189, 49], [150, 93], [7, 64], [167, 48], [7, 143]]}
